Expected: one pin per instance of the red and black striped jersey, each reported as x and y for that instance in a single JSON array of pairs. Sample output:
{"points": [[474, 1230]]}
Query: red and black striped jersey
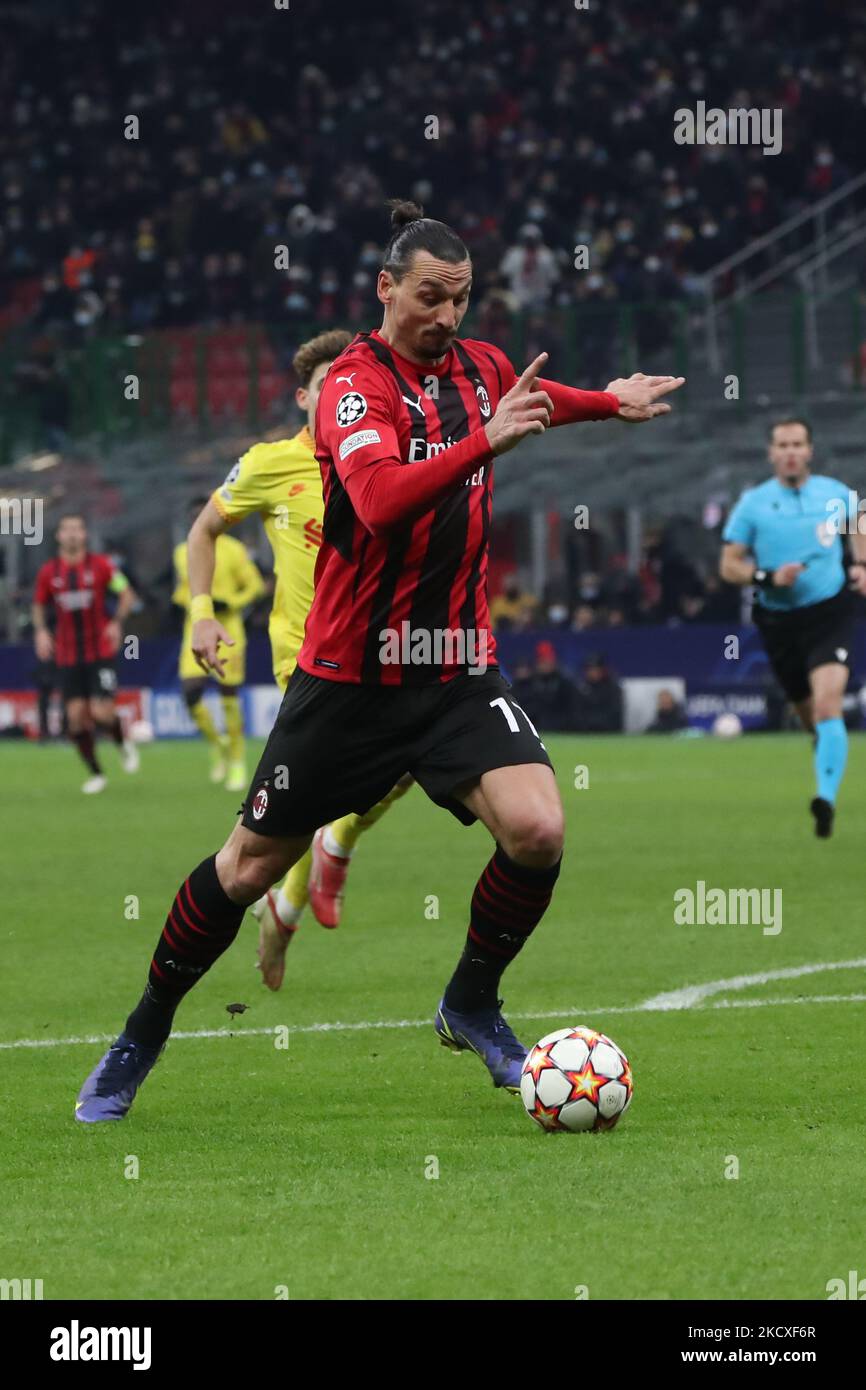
{"points": [[407, 472], [78, 595], [378, 411]]}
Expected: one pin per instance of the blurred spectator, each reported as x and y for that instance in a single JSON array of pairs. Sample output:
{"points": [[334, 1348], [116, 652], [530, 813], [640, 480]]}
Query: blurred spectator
{"points": [[690, 608], [521, 682], [558, 615], [262, 134], [721, 601], [549, 693], [40, 382], [513, 608], [598, 707], [530, 269], [494, 319], [589, 587], [670, 715]]}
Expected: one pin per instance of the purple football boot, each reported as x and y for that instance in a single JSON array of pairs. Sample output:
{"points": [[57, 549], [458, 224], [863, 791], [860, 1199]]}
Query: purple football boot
{"points": [[111, 1087], [488, 1035]]}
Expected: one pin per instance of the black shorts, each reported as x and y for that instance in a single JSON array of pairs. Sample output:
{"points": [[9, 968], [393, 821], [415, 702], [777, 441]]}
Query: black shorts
{"points": [[338, 747], [88, 680], [798, 641]]}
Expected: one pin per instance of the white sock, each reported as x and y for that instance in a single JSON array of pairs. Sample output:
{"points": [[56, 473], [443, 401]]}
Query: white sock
{"points": [[330, 845], [287, 912]]}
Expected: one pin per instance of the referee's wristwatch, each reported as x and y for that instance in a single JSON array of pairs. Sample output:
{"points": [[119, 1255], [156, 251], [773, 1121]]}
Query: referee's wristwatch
{"points": [[763, 579]]}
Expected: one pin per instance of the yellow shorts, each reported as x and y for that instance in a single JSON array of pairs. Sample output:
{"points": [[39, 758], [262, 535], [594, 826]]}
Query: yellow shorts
{"points": [[235, 657]]}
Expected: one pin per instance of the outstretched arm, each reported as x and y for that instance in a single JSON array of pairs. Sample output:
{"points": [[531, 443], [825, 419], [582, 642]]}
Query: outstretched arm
{"points": [[385, 495], [640, 396], [571, 406], [634, 399]]}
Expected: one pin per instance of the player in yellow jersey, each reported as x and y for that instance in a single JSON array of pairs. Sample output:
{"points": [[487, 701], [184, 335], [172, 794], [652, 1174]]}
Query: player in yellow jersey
{"points": [[237, 582], [281, 482]]}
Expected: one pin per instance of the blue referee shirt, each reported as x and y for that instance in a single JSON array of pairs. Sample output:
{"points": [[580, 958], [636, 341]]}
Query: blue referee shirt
{"points": [[784, 525]]}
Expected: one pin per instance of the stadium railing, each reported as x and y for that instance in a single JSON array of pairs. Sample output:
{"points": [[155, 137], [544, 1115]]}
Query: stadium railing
{"points": [[199, 381]]}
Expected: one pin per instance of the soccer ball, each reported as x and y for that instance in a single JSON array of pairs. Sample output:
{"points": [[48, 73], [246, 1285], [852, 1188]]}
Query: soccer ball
{"points": [[141, 731], [576, 1079], [727, 726]]}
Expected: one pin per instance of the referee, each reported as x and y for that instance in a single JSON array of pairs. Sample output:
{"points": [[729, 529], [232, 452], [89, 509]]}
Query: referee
{"points": [[784, 537]]}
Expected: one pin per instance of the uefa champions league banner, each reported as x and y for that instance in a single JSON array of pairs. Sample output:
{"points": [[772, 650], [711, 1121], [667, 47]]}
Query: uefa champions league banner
{"points": [[170, 718], [693, 661], [696, 652]]}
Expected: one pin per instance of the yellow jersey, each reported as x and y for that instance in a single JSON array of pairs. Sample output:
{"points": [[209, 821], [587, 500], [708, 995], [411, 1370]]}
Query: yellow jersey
{"points": [[237, 582], [281, 482]]}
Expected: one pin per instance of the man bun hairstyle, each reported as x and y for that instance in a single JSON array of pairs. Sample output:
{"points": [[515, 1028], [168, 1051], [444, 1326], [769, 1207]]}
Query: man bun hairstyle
{"points": [[323, 348], [411, 231]]}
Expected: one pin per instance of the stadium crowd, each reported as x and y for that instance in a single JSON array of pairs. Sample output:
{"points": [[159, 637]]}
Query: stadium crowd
{"points": [[554, 130], [676, 582]]}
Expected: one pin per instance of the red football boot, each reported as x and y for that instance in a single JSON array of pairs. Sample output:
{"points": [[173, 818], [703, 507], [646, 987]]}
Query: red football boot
{"points": [[327, 881]]}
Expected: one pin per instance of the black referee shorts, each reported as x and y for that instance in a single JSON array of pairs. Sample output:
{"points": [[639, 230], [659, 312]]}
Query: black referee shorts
{"points": [[339, 747], [803, 638]]}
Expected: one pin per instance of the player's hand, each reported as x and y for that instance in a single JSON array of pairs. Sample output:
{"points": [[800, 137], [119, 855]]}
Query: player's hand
{"points": [[523, 410], [786, 575], [640, 396], [857, 576], [113, 635], [206, 637], [44, 644]]}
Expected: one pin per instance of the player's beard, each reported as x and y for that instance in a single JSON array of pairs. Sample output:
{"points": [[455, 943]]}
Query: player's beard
{"points": [[432, 346]]}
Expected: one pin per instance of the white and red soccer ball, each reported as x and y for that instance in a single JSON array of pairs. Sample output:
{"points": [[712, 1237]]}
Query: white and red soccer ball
{"points": [[576, 1079]]}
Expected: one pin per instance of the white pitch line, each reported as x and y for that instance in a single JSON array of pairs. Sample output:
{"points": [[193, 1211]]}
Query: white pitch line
{"points": [[660, 1003], [797, 999], [695, 994]]}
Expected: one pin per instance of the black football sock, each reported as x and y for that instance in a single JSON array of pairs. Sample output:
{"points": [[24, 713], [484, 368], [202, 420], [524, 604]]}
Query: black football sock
{"points": [[114, 729], [202, 923], [508, 903], [84, 743]]}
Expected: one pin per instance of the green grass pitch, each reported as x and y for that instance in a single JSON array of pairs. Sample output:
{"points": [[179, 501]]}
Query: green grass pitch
{"points": [[303, 1169]]}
